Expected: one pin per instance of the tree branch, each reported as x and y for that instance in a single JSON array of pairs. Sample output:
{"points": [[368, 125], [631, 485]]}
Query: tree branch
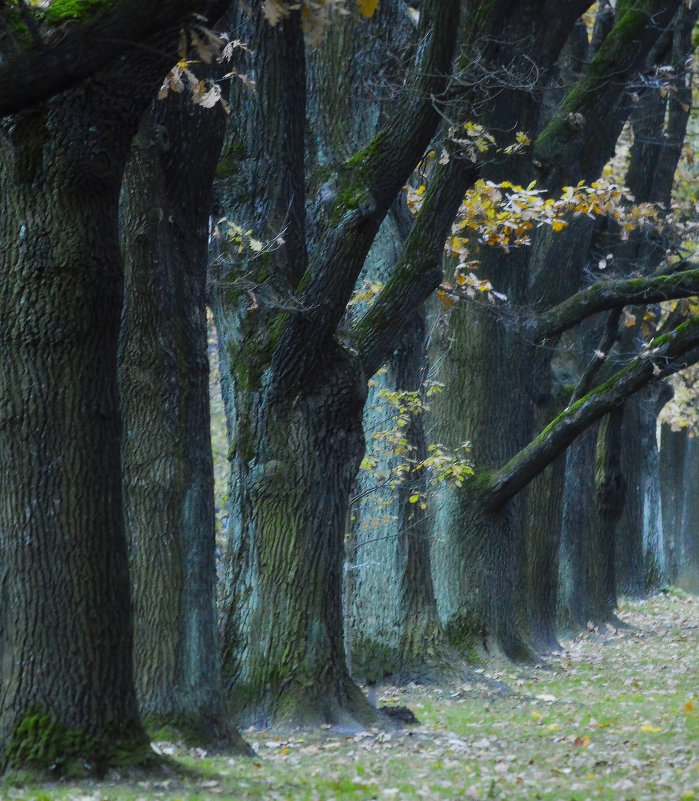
{"points": [[609, 338], [84, 47], [667, 355], [572, 138], [605, 295], [418, 271], [366, 186]]}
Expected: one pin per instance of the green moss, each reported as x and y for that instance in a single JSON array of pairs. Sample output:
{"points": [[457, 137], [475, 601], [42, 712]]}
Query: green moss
{"points": [[231, 156], [462, 635], [250, 362], [353, 180], [351, 197], [373, 660], [42, 744], [62, 10], [361, 158], [607, 62]]}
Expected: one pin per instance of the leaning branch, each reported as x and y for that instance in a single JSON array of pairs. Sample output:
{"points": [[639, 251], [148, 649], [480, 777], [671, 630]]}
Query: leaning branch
{"points": [[591, 106], [666, 355], [366, 186], [606, 295], [418, 271]]}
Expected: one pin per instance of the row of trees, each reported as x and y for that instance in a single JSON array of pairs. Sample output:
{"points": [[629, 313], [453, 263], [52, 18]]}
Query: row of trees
{"points": [[335, 124]]}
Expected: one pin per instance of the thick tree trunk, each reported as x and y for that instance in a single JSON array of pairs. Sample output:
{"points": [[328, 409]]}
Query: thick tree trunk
{"points": [[68, 699], [587, 554], [542, 541], [164, 376], [478, 554], [394, 624], [479, 597], [640, 550], [679, 464], [688, 577], [295, 461], [673, 477], [610, 491]]}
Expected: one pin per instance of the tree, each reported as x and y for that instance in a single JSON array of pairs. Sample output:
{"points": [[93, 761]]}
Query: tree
{"points": [[488, 537], [166, 450], [294, 392], [295, 369], [66, 636]]}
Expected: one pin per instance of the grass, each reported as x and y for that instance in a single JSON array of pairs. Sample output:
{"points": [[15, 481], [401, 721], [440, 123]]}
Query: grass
{"points": [[615, 716]]}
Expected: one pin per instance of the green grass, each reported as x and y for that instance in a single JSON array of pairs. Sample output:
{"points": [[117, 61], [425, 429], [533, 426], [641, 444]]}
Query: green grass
{"points": [[614, 717]]}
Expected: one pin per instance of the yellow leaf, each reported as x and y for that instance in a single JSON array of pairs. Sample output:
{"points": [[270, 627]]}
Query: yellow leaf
{"points": [[367, 7], [650, 729], [689, 707], [445, 299], [558, 225]]}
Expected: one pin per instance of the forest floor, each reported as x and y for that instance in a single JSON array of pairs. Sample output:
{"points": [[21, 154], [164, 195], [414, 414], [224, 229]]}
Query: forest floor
{"points": [[616, 716]]}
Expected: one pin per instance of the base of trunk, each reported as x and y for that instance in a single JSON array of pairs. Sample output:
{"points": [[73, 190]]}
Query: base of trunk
{"points": [[345, 708], [42, 746], [544, 641], [213, 732]]}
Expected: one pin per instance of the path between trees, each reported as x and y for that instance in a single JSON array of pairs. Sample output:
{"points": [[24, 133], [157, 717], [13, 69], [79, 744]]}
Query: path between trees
{"points": [[614, 717]]}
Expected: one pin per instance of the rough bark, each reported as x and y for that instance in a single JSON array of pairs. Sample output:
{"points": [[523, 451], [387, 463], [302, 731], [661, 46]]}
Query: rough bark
{"points": [[587, 554], [679, 456], [689, 561], [68, 699], [673, 476], [283, 651], [166, 451], [479, 552], [395, 627], [475, 553], [68, 693], [293, 393], [34, 69]]}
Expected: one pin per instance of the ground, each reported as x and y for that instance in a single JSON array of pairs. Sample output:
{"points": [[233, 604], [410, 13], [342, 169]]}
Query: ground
{"points": [[614, 717]]}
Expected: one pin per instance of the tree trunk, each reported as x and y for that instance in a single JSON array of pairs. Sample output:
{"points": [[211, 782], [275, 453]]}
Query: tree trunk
{"points": [[543, 520], [679, 458], [640, 552], [164, 377], [295, 461], [394, 627], [478, 554], [587, 554], [68, 699], [610, 491], [689, 564], [673, 477]]}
